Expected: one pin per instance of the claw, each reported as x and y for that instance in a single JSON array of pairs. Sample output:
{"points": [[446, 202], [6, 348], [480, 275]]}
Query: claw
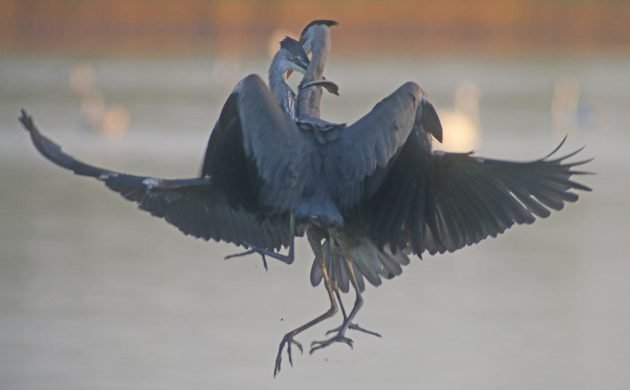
{"points": [[339, 338], [366, 331], [288, 341], [356, 327]]}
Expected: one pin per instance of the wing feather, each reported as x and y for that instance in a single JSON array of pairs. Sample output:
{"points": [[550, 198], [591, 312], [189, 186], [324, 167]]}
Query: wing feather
{"points": [[478, 197], [257, 151], [459, 199], [275, 143], [196, 206], [372, 143]]}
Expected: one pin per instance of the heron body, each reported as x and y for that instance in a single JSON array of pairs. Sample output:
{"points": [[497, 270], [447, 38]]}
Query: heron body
{"points": [[368, 195]]}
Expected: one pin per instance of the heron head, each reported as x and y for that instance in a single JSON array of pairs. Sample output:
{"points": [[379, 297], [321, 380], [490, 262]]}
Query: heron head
{"points": [[310, 32], [315, 23], [295, 55]]}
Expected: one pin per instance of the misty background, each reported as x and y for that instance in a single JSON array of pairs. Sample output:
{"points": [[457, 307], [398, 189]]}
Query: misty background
{"points": [[97, 294]]}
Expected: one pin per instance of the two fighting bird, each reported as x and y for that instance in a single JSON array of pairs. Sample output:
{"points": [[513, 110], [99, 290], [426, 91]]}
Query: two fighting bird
{"points": [[366, 195]]}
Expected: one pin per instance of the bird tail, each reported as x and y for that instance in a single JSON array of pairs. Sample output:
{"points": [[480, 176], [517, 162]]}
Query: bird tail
{"points": [[368, 262]]}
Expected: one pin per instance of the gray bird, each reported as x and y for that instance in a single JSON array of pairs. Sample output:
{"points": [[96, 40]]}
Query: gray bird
{"points": [[204, 207], [385, 194], [291, 57], [375, 192]]}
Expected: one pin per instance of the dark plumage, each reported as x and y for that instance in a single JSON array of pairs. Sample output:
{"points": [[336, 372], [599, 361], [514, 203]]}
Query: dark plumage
{"points": [[200, 207], [368, 195]]}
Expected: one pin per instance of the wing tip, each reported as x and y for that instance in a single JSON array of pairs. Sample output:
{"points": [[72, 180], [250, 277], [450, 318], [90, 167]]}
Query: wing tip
{"points": [[27, 121], [45, 146]]}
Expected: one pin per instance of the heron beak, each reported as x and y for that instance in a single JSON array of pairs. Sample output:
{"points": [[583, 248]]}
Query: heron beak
{"points": [[429, 119], [302, 63], [295, 66], [328, 85]]}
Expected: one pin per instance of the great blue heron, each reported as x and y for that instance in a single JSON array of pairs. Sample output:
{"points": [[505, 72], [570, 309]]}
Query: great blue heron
{"points": [[291, 56], [370, 193], [316, 40], [327, 249], [205, 207], [375, 192]]}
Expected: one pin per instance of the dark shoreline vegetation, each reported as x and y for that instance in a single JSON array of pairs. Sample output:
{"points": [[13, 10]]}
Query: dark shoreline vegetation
{"points": [[245, 27]]}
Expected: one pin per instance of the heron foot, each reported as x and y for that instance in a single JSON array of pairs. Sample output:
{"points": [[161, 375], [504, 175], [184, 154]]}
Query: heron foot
{"points": [[287, 259], [356, 327], [249, 252], [338, 338], [288, 341]]}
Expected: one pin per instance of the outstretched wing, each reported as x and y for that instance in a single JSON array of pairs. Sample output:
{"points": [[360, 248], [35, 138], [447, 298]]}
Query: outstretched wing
{"points": [[366, 150], [442, 202], [256, 151], [475, 197], [196, 206]]}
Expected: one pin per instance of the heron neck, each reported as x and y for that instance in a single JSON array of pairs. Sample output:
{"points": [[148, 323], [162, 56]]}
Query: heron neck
{"points": [[320, 49], [309, 99], [281, 90]]}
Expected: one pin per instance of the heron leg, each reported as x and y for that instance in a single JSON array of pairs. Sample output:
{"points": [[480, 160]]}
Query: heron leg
{"points": [[352, 325], [343, 309], [340, 335], [288, 338]]}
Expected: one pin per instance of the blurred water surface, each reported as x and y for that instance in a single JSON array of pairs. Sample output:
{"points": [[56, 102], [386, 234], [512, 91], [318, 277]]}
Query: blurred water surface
{"points": [[95, 294]]}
